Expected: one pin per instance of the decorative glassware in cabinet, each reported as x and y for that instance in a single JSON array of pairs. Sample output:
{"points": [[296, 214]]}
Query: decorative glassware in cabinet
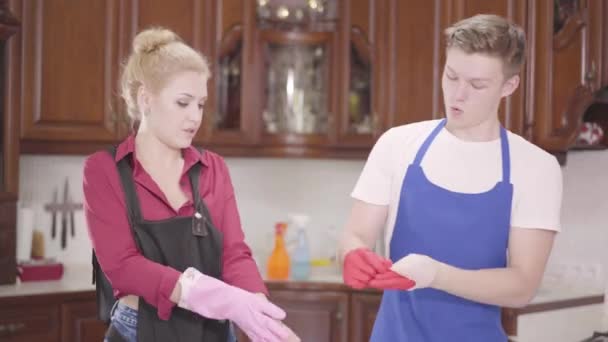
{"points": [[296, 89], [296, 52]]}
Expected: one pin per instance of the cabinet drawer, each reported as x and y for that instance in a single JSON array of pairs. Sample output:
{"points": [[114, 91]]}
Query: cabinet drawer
{"points": [[29, 323]]}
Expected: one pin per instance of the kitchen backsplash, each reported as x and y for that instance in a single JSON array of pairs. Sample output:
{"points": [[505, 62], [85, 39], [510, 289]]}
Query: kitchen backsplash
{"points": [[268, 190]]}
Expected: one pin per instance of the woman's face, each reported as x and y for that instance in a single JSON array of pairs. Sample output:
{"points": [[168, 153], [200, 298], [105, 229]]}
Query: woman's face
{"points": [[176, 111]]}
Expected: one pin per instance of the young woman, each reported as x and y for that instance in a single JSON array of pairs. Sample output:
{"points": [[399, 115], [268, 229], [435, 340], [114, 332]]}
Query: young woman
{"points": [[162, 215]]}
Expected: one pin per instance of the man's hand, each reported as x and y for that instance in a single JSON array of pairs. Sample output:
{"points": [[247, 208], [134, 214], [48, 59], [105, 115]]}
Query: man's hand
{"points": [[361, 265]]}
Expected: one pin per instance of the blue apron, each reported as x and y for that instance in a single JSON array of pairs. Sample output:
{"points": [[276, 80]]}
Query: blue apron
{"points": [[469, 231]]}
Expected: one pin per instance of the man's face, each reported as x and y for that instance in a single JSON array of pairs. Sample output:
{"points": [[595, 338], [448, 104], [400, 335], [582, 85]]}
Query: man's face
{"points": [[473, 85]]}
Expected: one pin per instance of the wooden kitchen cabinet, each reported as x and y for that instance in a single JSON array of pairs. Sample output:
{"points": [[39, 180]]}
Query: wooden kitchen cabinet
{"points": [[79, 322], [229, 120], [566, 63], [375, 65], [363, 309], [9, 149], [23, 320], [54, 317], [70, 76], [315, 316], [362, 98], [318, 313], [65, 75], [414, 46]]}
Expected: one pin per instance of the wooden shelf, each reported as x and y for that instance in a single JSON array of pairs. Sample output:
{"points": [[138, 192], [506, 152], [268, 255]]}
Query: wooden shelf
{"points": [[598, 147]]}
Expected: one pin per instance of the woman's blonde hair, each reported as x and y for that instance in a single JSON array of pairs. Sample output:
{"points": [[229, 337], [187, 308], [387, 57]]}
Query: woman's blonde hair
{"points": [[157, 55], [492, 35]]}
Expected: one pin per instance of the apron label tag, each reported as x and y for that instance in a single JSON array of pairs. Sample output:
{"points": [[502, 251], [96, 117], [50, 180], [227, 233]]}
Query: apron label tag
{"points": [[198, 225]]}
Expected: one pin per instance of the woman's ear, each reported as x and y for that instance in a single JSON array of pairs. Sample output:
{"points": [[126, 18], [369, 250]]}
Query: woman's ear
{"points": [[143, 100], [510, 86]]}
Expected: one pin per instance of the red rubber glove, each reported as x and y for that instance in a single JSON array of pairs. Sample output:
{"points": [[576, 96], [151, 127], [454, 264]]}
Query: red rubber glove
{"points": [[361, 265], [390, 280]]}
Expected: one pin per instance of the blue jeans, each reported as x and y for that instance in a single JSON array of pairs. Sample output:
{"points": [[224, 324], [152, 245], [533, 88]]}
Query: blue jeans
{"points": [[124, 319]]}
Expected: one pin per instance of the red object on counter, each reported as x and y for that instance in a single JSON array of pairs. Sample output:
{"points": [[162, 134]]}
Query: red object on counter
{"points": [[40, 271]]}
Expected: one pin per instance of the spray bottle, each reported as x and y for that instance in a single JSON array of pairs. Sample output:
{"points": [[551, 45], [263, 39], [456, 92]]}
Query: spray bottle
{"points": [[278, 262], [300, 261]]}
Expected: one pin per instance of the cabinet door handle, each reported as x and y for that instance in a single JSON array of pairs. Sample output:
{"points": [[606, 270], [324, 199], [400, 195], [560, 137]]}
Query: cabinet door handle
{"points": [[591, 73], [10, 328], [339, 316], [375, 124], [14, 327]]}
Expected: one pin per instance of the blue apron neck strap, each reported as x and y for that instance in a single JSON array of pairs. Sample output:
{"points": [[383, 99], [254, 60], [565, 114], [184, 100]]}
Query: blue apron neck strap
{"points": [[506, 156], [504, 146], [427, 142]]}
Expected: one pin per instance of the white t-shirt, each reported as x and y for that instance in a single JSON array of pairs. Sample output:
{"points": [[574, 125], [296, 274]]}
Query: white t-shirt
{"points": [[463, 166]]}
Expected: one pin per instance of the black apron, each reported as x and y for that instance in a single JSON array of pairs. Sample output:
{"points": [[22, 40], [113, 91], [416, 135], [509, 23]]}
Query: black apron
{"points": [[178, 242]]}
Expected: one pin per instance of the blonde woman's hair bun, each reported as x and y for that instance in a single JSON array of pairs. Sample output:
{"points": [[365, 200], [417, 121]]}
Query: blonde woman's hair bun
{"points": [[153, 39]]}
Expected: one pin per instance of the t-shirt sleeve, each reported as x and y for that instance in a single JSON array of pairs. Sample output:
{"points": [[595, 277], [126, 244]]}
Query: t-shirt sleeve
{"points": [[539, 200], [374, 183]]}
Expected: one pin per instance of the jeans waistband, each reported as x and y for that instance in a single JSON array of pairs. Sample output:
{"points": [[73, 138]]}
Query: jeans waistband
{"points": [[125, 314]]}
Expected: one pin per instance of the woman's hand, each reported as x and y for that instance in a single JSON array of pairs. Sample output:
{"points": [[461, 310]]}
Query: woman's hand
{"points": [[258, 318]]}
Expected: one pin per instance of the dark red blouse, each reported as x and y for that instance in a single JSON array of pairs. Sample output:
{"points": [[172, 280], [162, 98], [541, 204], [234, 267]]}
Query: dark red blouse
{"points": [[126, 269]]}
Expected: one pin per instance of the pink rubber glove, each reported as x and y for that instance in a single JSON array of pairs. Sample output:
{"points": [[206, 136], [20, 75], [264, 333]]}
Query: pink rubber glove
{"points": [[212, 298], [361, 265], [390, 280]]}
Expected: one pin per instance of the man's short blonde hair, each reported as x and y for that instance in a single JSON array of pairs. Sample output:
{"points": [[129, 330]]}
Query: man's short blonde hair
{"points": [[492, 35]]}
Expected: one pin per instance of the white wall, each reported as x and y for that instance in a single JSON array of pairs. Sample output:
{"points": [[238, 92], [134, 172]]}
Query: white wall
{"points": [[268, 189]]}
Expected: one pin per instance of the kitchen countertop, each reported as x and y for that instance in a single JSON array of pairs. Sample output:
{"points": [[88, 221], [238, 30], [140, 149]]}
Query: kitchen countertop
{"points": [[77, 278]]}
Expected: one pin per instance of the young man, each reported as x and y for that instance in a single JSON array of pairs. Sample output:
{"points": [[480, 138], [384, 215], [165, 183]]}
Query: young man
{"points": [[470, 210]]}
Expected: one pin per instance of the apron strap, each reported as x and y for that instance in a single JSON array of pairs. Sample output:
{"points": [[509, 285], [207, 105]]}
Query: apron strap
{"points": [[132, 202], [506, 156], [200, 221], [128, 186], [425, 145]]}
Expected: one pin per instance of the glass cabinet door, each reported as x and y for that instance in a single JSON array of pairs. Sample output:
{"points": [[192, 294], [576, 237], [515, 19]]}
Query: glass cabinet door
{"points": [[359, 100], [296, 85], [227, 116], [227, 122], [296, 51], [360, 103]]}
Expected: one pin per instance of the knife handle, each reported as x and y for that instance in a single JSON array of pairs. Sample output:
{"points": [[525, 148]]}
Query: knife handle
{"points": [[72, 229], [53, 225], [64, 232]]}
